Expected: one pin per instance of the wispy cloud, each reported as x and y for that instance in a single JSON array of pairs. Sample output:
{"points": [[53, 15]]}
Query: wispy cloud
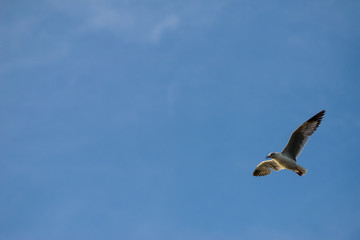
{"points": [[126, 20], [168, 23], [110, 19], [46, 34], [134, 25], [138, 21]]}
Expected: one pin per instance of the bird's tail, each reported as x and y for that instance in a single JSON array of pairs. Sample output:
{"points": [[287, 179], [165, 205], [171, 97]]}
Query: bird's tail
{"points": [[300, 170]]}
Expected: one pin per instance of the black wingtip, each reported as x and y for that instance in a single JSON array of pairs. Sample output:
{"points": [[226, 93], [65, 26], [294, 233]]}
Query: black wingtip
{"points": [[258, 173], [317, 117]]}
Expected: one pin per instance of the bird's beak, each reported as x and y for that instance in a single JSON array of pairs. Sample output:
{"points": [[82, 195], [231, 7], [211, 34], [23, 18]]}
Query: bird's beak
{"points": [[267, 157]]}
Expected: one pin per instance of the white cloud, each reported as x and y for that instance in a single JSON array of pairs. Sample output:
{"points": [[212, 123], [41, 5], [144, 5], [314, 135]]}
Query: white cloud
{"points": [[133, 25], [132, 21], [51, 27], [111, 19], [127, 20], [158, 30], [138, 21]]}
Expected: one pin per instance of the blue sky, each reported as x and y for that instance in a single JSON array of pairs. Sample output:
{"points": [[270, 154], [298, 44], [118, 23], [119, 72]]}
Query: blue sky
{"points": [[145, 119]]}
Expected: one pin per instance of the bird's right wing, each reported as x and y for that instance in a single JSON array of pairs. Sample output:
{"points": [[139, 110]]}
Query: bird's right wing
{"points": [[264, 168], [300, 136]]}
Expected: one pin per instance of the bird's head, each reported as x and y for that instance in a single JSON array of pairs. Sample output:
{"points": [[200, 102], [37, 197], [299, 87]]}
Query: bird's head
{"points": [[271, 155]]}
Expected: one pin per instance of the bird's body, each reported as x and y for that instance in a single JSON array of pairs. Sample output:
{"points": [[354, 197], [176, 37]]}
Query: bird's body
{"points": [[285, 161], [287, 158]]}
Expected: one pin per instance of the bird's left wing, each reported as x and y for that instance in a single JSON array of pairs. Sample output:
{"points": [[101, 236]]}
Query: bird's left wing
{"points": [[264, 168]]}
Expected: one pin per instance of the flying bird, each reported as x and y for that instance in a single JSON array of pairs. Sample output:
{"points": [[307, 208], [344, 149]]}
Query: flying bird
{"points": [[287, 158]]}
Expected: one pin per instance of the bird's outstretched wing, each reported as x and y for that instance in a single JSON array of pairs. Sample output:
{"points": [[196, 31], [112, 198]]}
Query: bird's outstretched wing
{"points": [[264, 168], [300, 136]]}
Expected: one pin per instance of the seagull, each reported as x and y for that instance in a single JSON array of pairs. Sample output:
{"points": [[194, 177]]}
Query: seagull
{"points": [[287, 158]]}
